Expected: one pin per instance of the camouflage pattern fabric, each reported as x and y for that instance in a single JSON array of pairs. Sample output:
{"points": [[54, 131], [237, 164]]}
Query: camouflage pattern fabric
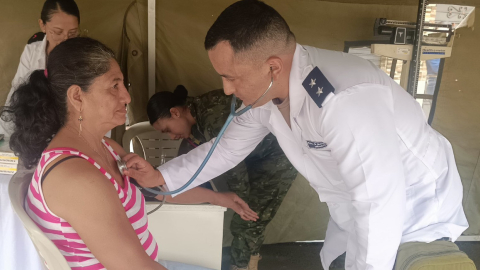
{"points": [[262, 179]]}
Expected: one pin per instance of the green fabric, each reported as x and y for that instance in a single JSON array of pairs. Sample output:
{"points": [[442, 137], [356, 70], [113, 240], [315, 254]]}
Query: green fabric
{"points": [[437, 255], [262, 179], [269, 176], [133, 60]]}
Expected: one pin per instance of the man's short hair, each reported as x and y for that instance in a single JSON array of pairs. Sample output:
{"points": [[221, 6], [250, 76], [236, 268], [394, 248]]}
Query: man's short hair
{"points": [[247, 23]]}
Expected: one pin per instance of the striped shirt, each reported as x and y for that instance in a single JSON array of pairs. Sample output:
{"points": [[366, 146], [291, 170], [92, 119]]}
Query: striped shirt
{"points": [[63, 235]]}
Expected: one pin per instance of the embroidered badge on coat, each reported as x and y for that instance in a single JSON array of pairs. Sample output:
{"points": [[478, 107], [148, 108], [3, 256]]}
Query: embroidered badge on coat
{"points": [[316, 145]]}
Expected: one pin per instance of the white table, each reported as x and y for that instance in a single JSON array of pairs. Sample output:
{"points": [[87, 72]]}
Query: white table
{"points": [[188, 233], [16, 249]]}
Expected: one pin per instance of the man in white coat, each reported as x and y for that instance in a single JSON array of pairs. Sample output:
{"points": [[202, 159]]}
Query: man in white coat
{"points": [[360, 140]]}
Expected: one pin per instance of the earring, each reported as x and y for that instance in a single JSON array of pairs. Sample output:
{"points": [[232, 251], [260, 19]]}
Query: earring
{"points": [[80, 119]]}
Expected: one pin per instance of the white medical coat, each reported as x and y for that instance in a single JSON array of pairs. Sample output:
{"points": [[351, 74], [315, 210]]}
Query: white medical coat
{"points": [[385, 174], [33, 58]]}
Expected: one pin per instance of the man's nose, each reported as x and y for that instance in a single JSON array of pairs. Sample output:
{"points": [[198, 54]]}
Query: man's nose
{"points": [[228, 88]]}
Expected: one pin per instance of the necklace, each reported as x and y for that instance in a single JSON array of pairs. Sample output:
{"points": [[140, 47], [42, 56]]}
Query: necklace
{"points": [[104, 157]]}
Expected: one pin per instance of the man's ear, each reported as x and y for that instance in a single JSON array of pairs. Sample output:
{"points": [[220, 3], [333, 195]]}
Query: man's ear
{"points": [[276, 65]]}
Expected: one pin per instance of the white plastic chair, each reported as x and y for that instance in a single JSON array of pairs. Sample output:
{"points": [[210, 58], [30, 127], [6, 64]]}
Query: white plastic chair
{"points": [[17, 190], [157, 148]]}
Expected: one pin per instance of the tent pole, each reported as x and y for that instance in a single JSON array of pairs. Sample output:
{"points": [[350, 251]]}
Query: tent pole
{"points": [[151, 48]]}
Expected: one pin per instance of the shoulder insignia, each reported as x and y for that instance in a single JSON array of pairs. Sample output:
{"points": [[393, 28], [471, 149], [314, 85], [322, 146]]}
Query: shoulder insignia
{"points": [[317, 86], [36, 37]]}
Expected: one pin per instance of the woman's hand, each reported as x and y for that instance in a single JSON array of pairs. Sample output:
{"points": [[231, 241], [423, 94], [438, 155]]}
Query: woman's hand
{"points": [[232, 201], [142, 171]]}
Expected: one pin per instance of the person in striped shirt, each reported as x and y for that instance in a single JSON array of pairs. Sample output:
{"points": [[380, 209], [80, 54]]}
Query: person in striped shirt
{"points": [[77, 197]]}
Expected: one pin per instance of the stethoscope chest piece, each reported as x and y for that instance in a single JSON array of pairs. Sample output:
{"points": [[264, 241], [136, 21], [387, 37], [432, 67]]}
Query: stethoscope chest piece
{"points": [[122, 166]]}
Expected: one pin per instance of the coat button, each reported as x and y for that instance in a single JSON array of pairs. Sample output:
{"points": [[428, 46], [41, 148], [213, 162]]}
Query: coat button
{"points": [[134, 53]]}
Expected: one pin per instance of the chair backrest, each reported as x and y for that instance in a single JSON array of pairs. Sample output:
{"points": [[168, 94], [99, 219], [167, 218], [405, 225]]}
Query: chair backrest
{"points": [[17, 190], [157, 148]]}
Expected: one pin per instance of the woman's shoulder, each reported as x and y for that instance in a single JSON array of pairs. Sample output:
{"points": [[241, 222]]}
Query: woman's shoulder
{"points": [[35, 46], [68, 169], [37, 37], [32, 58], [75, 183], [116, 147]]}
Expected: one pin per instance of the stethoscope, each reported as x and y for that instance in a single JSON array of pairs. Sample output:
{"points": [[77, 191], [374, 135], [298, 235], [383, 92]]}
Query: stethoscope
{"points": [[122, 165]]}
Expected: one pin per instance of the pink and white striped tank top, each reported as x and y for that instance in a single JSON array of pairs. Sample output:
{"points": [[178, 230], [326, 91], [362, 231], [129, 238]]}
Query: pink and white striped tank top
{"points": [[63, 235]]}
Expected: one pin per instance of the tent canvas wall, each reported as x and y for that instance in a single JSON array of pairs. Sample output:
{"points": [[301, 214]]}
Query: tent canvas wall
{"points": [[181, 26]]}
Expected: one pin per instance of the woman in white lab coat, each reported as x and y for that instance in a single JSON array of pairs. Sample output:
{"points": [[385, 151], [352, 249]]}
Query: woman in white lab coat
{"points": [[58, 21]]}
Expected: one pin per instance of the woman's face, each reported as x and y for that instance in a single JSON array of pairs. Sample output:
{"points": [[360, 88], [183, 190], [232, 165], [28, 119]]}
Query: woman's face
{"points": [[104, 105], [177, 126], [60, 28]]}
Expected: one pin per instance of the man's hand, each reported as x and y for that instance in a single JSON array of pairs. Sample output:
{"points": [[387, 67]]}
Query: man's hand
{"points": [[231, 200], [142, 171]]}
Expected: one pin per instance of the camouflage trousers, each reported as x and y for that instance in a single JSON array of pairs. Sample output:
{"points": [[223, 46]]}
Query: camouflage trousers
{"points": [[262, 180]]}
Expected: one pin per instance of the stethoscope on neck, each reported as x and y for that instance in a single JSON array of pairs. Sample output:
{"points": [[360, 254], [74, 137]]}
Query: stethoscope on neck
{"points": [[122, 166]]}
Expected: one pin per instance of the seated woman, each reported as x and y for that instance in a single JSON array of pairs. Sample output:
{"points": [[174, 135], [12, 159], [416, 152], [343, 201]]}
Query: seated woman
{"points": [[77, 196]]}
